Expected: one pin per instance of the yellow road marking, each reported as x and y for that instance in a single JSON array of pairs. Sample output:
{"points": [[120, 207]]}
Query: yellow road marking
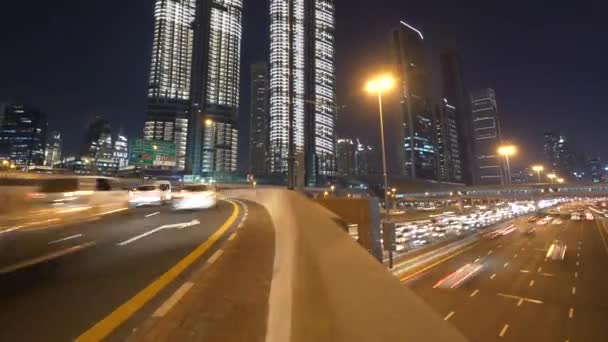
{"points": [[438, 262], [107, 325]]}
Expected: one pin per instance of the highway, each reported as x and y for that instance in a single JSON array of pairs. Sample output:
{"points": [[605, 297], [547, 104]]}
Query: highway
{"points": [[57, 283], [519, 295]]}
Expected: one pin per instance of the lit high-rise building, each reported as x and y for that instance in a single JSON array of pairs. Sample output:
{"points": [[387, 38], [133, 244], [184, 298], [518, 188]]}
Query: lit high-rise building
{"points": [[52, 153], [417, 159], [194, 82], [487, 138], [169, 85], [259, 120], [121, 150], [23, 135], [303, 86], [454, 92], [559, 155], [449, 165], [215, 87]]}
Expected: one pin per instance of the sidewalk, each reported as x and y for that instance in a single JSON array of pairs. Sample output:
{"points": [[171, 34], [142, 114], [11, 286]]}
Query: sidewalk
{"points": [[228, 298]]}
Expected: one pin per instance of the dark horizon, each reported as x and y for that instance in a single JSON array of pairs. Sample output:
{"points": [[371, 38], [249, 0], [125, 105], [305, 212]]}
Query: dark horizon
{"points": [[75, 60]]}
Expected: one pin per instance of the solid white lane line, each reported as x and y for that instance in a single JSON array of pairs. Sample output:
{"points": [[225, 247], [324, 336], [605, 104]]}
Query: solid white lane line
{"points": [[571, 313], [153, 214], [448, 316], [506, 264], [547, 274], [504, 330], [531, 282], [573, 290], [214, 257], [524, 271], [520, 302], [474, 293], [493, 276], [65, 239], [232, 236], [170, 303]]}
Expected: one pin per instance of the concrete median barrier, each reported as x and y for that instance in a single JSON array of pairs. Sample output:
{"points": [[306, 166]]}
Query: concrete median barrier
{"points": [[326, 287]]}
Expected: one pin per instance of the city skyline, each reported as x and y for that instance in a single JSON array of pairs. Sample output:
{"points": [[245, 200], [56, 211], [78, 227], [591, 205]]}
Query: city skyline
{"points": [[66, 116]]}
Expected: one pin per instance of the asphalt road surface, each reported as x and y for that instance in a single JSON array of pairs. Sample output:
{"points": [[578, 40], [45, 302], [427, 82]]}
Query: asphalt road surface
{"points": [[521, 296], [93, 268]]}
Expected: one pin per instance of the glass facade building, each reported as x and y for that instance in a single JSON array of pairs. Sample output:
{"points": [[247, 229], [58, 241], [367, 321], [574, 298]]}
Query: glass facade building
{"points": [[487, 138], [418, 157], [259, 120], [193, 92], [449, 161], [23, 135], [169, 86], [303, 85]]}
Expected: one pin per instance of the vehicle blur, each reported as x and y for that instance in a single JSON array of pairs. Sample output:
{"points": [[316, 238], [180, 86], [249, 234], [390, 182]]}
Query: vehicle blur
{"points": [[157, 193], [195, 196], [557, 251], [460, 277]]}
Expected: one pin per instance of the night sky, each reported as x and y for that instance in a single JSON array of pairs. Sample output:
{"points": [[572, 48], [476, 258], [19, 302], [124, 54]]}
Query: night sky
{"points": [[74, 59]]}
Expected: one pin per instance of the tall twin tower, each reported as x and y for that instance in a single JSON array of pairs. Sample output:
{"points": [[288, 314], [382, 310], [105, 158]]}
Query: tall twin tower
{"points": [[193, 89]]}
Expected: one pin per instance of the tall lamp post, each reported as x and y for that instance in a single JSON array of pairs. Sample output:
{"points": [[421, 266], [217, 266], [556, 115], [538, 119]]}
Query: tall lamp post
{"points": [[378, 86], [551, 177], [538, 169], [507, 151]]}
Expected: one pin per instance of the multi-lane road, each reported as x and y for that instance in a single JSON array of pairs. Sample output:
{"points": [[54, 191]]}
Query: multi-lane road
{"points": [[55, 284], [519, 295]]}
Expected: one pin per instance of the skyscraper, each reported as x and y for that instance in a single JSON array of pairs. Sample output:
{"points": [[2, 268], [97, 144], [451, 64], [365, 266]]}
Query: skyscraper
{"points": [[213, 133], [259, 121], [169, 85], [98, 139], [559, 155], [454, 92], [417, 137], [303, 86], [449, 165], [23, 135], [194, 82], [52, 153], [120, 154], [346, 161], [487, 138]]}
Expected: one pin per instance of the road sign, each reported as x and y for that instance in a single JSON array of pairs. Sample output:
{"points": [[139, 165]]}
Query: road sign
{"points": [[152, 153], [388, 236]]}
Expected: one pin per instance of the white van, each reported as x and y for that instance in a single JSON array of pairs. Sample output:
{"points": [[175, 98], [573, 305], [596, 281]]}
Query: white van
{"points": [[156, 193]]}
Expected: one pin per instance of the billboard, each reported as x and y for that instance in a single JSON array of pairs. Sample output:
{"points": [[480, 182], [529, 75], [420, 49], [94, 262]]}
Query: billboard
{"points": [[152, 153]]}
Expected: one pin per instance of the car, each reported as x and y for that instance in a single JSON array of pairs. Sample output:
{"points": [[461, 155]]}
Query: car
{"points": [[157, 193], [530, 231], [192, 197], [460, 276], [557, 251]]}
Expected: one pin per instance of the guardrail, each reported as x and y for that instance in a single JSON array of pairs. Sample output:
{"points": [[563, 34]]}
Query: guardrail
{"points": [[326, 287]]}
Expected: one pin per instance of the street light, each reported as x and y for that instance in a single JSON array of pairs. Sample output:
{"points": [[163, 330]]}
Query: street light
{"points": [[538, 169], [552, 176], [561, 180], [208, 122], [507, 151], [377, 86]]}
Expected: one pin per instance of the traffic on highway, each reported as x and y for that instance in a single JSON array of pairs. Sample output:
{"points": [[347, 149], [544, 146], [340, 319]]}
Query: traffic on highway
{"points": [[543, 281], [88, 245]]}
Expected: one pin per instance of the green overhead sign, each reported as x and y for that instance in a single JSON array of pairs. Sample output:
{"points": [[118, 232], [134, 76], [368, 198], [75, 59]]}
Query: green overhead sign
{"points": [[152, 153]]}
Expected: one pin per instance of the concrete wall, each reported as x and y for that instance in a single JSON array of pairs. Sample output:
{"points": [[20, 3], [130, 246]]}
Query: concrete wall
{"points": [[326, 287]]}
